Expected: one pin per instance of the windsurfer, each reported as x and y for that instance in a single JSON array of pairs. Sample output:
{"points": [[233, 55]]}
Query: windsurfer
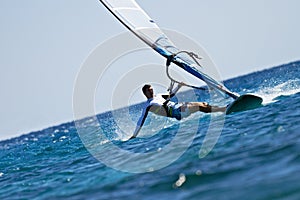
{"points": [[161, 105]]}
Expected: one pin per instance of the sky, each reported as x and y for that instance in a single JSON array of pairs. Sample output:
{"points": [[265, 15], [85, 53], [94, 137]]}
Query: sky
{"points": [[44, 44]]}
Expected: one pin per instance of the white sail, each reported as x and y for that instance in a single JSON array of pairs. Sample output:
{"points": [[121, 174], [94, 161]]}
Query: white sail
{"points": [[132, 16], [135, 19]]}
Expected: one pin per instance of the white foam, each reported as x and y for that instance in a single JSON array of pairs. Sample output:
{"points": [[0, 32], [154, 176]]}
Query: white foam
{"points": [[288, 88]]}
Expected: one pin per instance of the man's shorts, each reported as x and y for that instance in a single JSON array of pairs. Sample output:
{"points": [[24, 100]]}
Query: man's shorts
{"points": [[179, 111]]}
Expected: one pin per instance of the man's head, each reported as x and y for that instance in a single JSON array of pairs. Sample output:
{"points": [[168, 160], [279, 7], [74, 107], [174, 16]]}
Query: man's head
{"points": [[148, 91]]}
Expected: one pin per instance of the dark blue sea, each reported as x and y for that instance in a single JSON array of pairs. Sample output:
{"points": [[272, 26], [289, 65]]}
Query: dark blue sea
{"points": [[253, 154]]}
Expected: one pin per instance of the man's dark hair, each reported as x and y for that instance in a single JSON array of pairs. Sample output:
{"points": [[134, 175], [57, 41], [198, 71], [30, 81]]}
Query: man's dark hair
{"points": [[145, 87]]}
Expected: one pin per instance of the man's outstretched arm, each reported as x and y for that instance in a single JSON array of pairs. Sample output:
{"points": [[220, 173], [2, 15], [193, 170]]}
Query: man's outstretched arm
{"points": [[140, 123], [136, 132], [173, 91]]}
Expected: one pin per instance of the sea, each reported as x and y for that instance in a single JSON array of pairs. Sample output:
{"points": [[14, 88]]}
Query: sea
{"points": [[254, 154]]}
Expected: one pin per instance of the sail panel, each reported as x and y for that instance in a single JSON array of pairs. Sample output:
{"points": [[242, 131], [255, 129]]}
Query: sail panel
{"points": [[122, 3], [130, 13], [135, 18]]}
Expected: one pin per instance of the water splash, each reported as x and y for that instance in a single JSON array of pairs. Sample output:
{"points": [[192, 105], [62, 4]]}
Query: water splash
{"points": [[271, 94]]}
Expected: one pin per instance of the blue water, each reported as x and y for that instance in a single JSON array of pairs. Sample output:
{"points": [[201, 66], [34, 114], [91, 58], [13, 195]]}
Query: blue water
{"points": [[257, 155]]}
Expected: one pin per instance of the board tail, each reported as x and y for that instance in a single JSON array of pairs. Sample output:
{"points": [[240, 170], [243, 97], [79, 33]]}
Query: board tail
{"points": [[244, 102]]}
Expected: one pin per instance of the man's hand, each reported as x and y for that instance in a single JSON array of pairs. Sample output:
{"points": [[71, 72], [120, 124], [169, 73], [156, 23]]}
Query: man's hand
{"points": [[181, 84], [132, 137]]}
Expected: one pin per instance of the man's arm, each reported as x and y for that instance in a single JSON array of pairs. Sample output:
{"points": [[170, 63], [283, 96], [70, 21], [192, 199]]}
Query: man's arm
{"points": [[140, 122], [173, 92], [136, 131]]}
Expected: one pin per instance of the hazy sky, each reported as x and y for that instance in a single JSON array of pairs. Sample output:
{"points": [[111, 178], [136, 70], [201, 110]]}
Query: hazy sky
{"points": [[44, 43]]}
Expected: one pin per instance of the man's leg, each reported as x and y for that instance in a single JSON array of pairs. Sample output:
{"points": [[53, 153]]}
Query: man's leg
{"points": [[204, 107]]}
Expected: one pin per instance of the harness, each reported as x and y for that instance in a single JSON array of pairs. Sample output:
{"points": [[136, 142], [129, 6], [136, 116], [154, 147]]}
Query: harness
{"points": [[169, 110]]}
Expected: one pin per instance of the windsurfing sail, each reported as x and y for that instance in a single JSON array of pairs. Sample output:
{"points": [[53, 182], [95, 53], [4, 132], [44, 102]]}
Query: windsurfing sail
{"points": [[132, 16]]}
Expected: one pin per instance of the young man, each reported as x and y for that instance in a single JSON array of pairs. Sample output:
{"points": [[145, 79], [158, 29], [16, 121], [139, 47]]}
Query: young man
{"points": [[161, 105]]}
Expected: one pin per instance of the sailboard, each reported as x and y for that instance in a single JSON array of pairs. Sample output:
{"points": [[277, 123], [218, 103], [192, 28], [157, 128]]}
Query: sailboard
{"points": [[134, 18]]}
